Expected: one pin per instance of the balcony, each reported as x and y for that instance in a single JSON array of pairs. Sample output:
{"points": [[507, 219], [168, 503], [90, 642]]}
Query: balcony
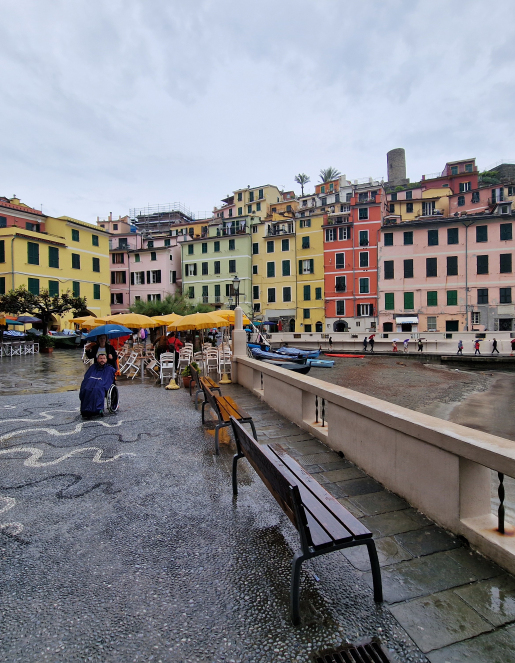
{"points": [[231, 231], [283, 229]]}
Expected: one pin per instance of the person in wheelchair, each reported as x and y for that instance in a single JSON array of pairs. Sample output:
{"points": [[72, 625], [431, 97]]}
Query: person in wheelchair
{"points": [[97, 385]]}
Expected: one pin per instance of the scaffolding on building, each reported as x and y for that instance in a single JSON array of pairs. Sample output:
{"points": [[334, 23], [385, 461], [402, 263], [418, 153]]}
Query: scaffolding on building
{"points": [[155, 219]]}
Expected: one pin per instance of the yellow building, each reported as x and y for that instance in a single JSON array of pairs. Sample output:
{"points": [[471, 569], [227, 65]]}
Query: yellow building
{"points": [[416, 202], [256, 201], [310, 272], [55, 254]]}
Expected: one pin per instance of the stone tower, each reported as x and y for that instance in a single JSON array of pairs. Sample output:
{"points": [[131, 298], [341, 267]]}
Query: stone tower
{"points": [[396, 164]]}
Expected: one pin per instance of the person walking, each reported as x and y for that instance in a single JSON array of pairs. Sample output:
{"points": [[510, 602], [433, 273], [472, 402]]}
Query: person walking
{"points": [[371, 340], [494, 346], [101, 346], [330, 344], [365, 343], [394, 346], [160, 345], [460, 348], [476, 347], [405, 345], [512, 345], [420, 345]]}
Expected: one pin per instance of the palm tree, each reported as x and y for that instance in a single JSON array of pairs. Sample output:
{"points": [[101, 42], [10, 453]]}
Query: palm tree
{"points": [[328, 174], [302, 179]]}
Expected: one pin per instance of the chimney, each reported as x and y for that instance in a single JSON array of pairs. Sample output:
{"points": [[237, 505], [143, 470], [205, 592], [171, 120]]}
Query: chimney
{"points": [[110, 216]]}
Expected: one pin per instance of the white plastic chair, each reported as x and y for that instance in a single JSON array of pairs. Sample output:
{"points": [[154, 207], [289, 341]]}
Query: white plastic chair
{"points": [[210, 360], [167, 366], [185, 357], [130, 365]]}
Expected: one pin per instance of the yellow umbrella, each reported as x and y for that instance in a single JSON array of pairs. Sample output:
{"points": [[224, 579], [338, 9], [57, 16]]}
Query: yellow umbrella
{"points": [[197, 321], [230, 315], [132, 320], [167, 319], [87, 322]]}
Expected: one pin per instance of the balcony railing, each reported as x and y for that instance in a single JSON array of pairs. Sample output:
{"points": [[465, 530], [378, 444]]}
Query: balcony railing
{"points": [[273, 231]]}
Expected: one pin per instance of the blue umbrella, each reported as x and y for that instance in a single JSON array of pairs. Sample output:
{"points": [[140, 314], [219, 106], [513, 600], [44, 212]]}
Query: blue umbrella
{"points": [[111, 331]]}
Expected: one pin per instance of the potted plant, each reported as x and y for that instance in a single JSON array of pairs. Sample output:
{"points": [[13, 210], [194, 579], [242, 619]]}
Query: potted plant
{"points": [[186, 374], [46, 343]]}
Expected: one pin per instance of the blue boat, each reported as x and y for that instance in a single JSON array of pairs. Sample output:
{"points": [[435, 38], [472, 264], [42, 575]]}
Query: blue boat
{"points": [[257, 353], [297, 352], [321, 363]]}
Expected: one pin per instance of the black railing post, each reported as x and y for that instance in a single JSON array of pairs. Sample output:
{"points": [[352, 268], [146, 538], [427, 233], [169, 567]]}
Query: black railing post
{"points": [[316, 409], [323, 412], [501, 493]]}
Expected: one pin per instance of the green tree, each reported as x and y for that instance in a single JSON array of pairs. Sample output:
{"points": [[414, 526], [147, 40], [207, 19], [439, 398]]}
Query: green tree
{"points": [[302, 179], [328, 174], [177, 303], [43, 306]]}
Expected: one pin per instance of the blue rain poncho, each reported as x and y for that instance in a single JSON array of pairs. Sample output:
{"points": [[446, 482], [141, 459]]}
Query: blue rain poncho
{"points": [[94, 388]]}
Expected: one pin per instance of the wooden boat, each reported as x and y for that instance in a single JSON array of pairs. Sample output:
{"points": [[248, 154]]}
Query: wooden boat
{"points": [[303, 369], [321, 363]]}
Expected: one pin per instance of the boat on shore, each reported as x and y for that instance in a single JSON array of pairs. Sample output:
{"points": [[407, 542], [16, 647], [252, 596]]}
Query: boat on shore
{"points": [[303, 369]]}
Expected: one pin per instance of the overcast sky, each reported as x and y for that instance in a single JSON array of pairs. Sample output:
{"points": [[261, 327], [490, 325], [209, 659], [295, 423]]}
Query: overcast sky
{"points": [[110, 105]]}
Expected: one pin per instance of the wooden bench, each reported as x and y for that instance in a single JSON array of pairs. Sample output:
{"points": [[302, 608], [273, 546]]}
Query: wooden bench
{"points": [[225, 408], [324, 525], [195, 382]]}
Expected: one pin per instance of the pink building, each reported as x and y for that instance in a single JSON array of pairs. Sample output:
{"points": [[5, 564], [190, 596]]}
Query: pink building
{"points": [[448, 275]]}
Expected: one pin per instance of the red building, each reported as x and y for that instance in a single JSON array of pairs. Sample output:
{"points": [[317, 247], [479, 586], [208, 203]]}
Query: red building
{"points": [[14, 213]]}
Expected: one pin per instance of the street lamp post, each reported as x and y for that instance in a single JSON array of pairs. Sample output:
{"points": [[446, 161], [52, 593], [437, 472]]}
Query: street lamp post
{"points": [[236, 289]]}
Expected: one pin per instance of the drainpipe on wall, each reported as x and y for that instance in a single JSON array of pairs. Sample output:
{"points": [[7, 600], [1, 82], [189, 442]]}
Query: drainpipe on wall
{"points": [[12, 260], [467, 225]]}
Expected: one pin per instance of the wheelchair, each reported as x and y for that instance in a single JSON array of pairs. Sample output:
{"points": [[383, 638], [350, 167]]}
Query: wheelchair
{"points": [[112, 399]]}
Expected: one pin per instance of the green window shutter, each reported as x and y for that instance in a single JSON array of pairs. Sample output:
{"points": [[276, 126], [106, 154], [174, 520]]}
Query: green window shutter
{"points": [[232, 244], [432, 298], [300, 266], [409, 301], [33, 286], [204, 247], [94, 240], [217, 247], [75, 235], [2, 285], [217, 290], [32, 253], [286, 268], [452, 297], [53, 256], [311, 266], [307, 292], [96, 264], [305, 242], [53, 288], [389, 301], [75, 261], [318, 293], [191, 249], [2, 250], [76, 289], [270, 269], [205, 291], [96, 290]]}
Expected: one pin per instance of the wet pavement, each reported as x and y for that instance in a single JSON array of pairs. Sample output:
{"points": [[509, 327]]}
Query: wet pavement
{"points": [[120, 540]]}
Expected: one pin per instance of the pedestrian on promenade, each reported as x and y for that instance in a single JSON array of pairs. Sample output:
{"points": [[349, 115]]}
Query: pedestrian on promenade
{"points": [[394, 346], [420, 345], [365, 343], [330, 343], [476, 347], [371, 340], [494, 346], [405, 345], [460, 348], [512, 345], [101, 346], [160, 345]]}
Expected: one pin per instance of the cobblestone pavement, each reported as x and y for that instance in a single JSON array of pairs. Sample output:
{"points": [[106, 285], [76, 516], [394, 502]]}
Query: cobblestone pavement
{"points": [[120, 540]]}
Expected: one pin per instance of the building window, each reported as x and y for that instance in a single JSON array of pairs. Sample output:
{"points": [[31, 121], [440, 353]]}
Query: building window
{"points": [[365, 310], [340, 307], [258, 207], [363, 259], [505, 263], [137, 257], [452, 236], [504, 295], [409, 195], [205, 268], [318, 293], [431, 267], [33, 286], [452, 298], [167, 242], [307, 293], [340, 284], [3, 222], [306, 223], [249, 209], [76, 289], [468, 167], [307, 266], [393, 197], [432, 237], [285, 245], [217, 292], [2, 251], [409, 301], [330, 235], [255, 292], [461, 201], [476, 317], [255, 248], [118, 258], [96, 264], [271, 295], [232, 266], [287, 294], [75, 235], [173, 277], [389, 301], [408, 237], [364, 286], [432, 298], [388, 269], [138, 278], [464, 186], [388, 239], [2, 285], [153, 255], [270, 247], [408, 269], [190, 269], [251, 196], [75, 261], [409, 208], [191, 249], [257, 308], [307, 329], [481, 233], [191, 292], [482, 296], [53, 256], [32, 253], [363, 237], [306, 313], [118, 277], [454, 170], [363, 213], [340, 261], [204, 247], [475, 197], [431, 323], [94, 240], [482, 264], [254, 229], [305, 242], [150, 244], [240, 211], [506, 231], [232, 244], [286, 268], [96, 290], [270, 269], [53, 289], [391, 208], [452, 265], [153, 298], [217, 266], [216, 247], [254, 269]]}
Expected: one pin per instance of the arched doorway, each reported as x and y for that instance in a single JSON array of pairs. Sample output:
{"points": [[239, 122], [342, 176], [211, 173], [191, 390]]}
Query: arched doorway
{"points": [[292, 324], [341, 326], [319, 327]]}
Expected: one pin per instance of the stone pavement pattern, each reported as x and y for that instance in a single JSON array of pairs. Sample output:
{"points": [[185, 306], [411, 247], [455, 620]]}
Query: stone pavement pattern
{"points": [[120, 540]]}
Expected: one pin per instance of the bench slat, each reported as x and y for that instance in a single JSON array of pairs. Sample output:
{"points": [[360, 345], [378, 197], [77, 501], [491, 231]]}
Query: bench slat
{"points": [[228, 408], [340, 513]]}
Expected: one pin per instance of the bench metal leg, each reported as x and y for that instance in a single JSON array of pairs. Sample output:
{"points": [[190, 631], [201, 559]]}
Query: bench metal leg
{"points": [[295, 587], [217, 447], [199, 391], [235, 459], [203, 410], [253, 429], [376, 571]]}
